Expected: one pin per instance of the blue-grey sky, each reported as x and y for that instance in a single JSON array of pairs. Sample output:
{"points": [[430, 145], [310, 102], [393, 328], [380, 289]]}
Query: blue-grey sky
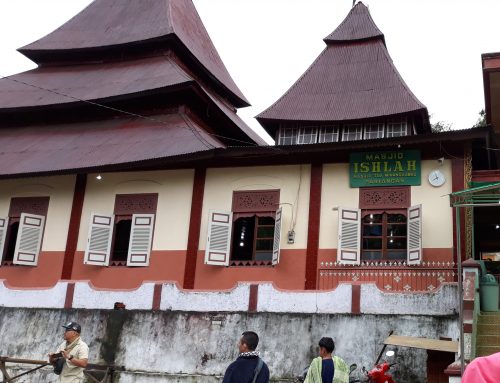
{"points": [[267, 44]]}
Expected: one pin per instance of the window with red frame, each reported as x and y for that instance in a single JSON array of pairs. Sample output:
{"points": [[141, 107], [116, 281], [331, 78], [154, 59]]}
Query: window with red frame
{"points": [[384, 235], [19, 205], [253, 225]]}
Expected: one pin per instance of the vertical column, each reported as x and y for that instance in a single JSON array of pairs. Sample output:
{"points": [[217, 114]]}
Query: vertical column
{"points": [[313, 226], [458, 183], [74, 226], [194, 228], [470, 305]]}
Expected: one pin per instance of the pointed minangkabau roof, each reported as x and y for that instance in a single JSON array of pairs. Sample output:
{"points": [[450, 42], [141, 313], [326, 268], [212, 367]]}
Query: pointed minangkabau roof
{"points": [[358, 25], [106, 24], [354, 78]]}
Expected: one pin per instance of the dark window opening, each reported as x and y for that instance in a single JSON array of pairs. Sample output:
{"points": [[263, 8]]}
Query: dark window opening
{"points": [[384, 235], [253, 239], [10, 243], [121, 239]]}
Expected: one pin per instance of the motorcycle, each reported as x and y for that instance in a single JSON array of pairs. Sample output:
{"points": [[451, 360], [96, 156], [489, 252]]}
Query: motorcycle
{"points": [[379, 373]]}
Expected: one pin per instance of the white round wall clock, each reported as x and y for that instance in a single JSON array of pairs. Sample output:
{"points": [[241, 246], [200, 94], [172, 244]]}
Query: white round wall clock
{"points": [[436, 178]]}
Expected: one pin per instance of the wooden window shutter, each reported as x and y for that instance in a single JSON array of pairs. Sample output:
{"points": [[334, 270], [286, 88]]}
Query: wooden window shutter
{"points": [[4, 225], [415, 235], [219, 238], [99, 240], [29, 239], [277, 238], [349, 246], [141, 236]]}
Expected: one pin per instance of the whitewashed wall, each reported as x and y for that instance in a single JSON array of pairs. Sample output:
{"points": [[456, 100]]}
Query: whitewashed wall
{"points": [[443, 301]]}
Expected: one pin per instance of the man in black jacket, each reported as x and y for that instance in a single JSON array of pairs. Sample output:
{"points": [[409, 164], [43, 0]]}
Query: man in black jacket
{"points": [[248, 367]]}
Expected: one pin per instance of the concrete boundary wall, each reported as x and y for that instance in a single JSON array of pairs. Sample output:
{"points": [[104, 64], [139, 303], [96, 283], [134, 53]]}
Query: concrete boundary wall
{"points": [[335, 301], [264, 297], [442, 302], [41, 298], [87, 297], [175, 299], [193, 347]]}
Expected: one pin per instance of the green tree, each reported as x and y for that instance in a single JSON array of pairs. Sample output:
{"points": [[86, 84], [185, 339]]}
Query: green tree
{"points": [[481, 121], [441, 126]]}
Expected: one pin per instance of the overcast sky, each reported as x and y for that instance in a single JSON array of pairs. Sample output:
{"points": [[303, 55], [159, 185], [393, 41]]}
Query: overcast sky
{"points": [[267, 44]]}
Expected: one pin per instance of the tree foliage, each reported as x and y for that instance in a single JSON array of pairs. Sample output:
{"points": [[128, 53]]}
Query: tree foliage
{"points": [[441, 126], [481, 121]]}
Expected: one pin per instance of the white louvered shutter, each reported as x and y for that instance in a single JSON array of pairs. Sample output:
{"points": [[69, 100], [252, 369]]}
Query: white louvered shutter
{"points": [[99, 240], [29, 239], [415, 235], [277, 237], [349, 246], [141, 236], [219, 238], [4, 224]]}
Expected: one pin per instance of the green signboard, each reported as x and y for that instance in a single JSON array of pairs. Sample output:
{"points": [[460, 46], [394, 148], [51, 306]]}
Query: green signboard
{"points": [[385, 168]]}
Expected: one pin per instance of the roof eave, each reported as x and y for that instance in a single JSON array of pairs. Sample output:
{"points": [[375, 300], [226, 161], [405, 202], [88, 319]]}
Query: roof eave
{"points": [[190, 160], [92, 54]]}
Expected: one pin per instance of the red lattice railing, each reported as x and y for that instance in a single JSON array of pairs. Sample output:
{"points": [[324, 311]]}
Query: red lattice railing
{"points": [[388, 276]]}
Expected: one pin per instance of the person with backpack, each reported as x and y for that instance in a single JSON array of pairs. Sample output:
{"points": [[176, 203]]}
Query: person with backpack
{"points": [[248, 367]]}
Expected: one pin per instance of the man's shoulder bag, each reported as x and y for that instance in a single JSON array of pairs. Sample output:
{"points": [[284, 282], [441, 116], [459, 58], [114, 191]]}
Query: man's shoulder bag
{"points": [[58, 365], [256, 372]]}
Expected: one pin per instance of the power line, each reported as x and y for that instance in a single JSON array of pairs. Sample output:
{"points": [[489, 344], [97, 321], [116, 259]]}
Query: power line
{"points": [[193, 130]]}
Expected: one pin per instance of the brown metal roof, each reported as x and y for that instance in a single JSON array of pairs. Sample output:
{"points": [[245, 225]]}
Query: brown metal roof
{"points": [[358, 25], [109, 23], [231, 114], [350, 81], [69, 147], [76, 145], [89, 82], [112, 79]]}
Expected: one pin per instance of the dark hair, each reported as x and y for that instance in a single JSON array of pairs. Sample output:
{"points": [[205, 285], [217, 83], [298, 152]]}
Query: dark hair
{"points": [[327, 343], [251, 339]]}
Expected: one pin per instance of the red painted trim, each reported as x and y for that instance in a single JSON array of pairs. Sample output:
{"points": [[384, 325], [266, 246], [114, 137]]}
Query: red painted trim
{"points": [[70, 292], [313, 226], [453, 369], [487, 95], [486, 175], [468, 305], [74, 226], [253, 298], [458, 183], [157, 296], [356, 299], [194, 227], [468, 328]]}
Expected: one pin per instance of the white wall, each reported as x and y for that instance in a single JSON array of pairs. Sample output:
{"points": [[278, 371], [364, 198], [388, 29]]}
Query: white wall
{"points": [[174, 188], [220, 184], [437, 226], [60, 190]]}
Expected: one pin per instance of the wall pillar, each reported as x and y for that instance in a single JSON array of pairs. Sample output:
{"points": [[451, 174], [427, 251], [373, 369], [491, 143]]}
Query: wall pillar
{"points": [[470, 305], [74, 226], [458, 183], [194, 227], [313, 227]]}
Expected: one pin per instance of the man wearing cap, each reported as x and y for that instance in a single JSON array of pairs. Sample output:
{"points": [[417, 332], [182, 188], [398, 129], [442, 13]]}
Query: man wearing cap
{"points": [[75, 352]]}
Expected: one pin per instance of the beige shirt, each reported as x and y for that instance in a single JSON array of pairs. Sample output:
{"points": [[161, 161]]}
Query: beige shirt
{"points": [[70, 372]]}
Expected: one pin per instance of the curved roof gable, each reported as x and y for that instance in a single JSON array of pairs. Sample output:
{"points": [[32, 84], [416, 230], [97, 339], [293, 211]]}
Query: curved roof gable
{"points": [[109, 23], [358, 25], [352, 80]]}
